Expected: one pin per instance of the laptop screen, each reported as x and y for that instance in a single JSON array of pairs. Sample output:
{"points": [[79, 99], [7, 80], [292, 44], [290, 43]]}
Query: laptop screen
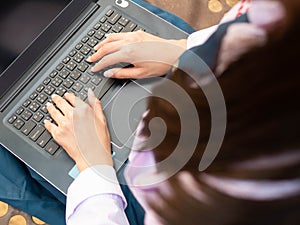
{"points": [[22, 21]]}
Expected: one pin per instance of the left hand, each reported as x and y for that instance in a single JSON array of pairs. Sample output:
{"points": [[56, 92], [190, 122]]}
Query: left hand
{"points": [[81, 129]]}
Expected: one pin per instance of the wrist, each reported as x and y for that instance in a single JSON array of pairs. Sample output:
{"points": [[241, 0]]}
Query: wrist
{"points": [[84, 163], [182, 43]]}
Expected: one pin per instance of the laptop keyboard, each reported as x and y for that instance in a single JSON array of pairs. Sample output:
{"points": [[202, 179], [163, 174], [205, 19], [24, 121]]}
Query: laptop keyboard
{"points": [[70, 75]]}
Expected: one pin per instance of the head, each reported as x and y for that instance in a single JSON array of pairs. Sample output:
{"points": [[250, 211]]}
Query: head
{"points": [[261, 92]]}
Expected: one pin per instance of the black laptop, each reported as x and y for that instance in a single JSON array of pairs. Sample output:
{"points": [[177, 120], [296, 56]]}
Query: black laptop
{"points": [[43, 51]]}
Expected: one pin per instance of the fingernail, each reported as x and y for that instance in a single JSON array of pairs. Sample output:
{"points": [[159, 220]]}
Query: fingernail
{"points": [[91, 93], [96, 47], [89, 59], [93, 69], [48, 104], [108, 73], [53, 95]]}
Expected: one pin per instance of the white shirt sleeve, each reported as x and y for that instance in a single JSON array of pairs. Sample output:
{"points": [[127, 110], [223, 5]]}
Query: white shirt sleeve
{"points": [[95, 198]]}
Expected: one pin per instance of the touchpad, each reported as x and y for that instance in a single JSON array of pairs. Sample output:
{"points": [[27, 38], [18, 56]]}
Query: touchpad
{"points": [[124, 112]]}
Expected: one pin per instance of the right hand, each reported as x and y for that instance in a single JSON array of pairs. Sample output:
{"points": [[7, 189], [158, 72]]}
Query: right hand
{"points": [[150, 55]]}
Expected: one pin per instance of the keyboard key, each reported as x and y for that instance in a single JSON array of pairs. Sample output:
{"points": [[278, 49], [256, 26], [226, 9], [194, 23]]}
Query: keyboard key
{"points": [[106, 27], [85, 39], [26, 103], [44, 139], [79, 46], [49, 90], [77, 87], [78, 58], [75, 74], [28, 127], [47, 81], [109, 12], [53, 74], [71, 66], [12, 119], [103, 19], [61, 91], [52, 147], [96, 80], [64, 73], [34, 106], [60, 67], [42, 98], [26, 115], [36, 133], [19, 110], [68, 83], [117, 28], [89, 86], [83, 67], [85, 50], [97, 26], [99, 35], [91, 33], [123, 21], [40, 88], [92, 42], [114, 18], [66, 60], [72, 53], [19, 124], [38, 116], [84, 78], [130, 27], [44, 109], [56, 81], [33, 95]]}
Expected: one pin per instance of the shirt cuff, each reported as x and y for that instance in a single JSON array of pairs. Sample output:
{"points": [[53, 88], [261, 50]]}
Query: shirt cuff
{"points": [[97, 180]]}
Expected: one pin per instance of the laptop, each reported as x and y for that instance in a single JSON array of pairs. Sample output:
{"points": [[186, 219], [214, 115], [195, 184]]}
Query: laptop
{"points": [[33, 67]]}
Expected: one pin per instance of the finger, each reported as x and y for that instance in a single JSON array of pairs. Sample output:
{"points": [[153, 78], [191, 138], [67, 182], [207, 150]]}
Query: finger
{"points": [[106, 49], [61, 104], [109, 60], [78, 102], [70, 97], [125, 73], [50, 127], [96, 106], [54, 113], [111, 38], [93, 100]]}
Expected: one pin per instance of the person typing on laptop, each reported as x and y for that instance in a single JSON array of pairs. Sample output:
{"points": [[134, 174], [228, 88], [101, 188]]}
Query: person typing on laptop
{"points": [[113, 74], [110, 201], [235, 186]]}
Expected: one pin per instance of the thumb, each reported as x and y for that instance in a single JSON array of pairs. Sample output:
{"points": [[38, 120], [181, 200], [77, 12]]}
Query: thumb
{"points": [[94, 101]]}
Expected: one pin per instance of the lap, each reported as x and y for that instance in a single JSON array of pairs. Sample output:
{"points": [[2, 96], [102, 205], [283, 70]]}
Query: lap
{"points": [[24, 189]]}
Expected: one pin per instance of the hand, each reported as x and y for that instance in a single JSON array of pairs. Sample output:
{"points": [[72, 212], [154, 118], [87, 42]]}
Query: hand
{"points": [[150, 55], [81, 129]]}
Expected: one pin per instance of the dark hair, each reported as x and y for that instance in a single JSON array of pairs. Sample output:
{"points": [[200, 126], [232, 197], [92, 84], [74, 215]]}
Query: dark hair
{"points": [[261, 92]]}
